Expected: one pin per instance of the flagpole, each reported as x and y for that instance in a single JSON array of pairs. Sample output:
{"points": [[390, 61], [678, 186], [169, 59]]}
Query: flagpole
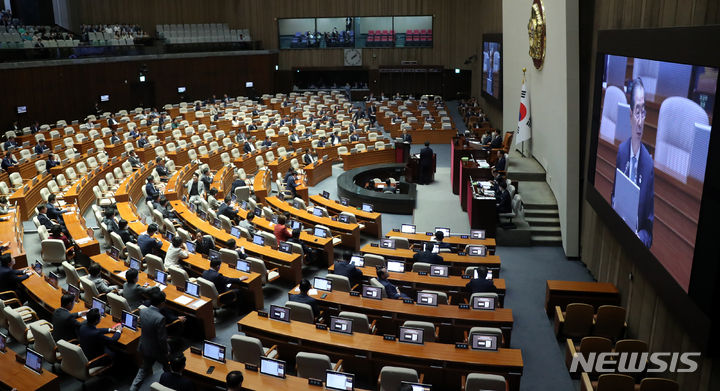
{"points": [[522, 143]]}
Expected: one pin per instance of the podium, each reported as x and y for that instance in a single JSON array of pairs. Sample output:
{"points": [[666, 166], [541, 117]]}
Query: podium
{"points": [[402, 152], [412, 169]]}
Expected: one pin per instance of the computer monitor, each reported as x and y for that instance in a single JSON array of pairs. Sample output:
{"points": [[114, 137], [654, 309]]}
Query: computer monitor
{"points": [[249, 84], [161, 277], [235, 231], [344, 201], [190, 246], [37, 267], [285, 247], [296, 225], [53, 279], [213, 254], [259, 240], [130, 320], [396, 266], [100, 305], [417, 386], [357, 260], [181, 90], [320, 233], [387, 243], [213, 351], [279, 313], [135, 264], [367, 207], [104, 98], [325, 194], [33, 360], [169, 236], [216, 223], [73, 290], [427, 298], [341, 325], [322, 284], [243, 205], [481, 341], [483, 303], [192, 289], [3, 342], [339, 381], [344, 219], [192, 207], [371, 292], [114, 253], [272, 367], [202, 215], [477, 234], [317, 212], [439, 270], [258, 212], [243, 266], [21, 109], [477, 251], [411, 335], [296, 204], [445, 231], [407, 229]]}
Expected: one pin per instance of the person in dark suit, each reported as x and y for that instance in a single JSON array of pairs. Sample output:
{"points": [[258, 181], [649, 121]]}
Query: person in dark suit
{"points": [[40, 148], [148, 244], [112, 121], [174, 377], [501, 162], [406, 137], [303, 297], [134, 159], [153, 339], [161, 170], [52, 211], [64, 321], [496, 140], [237, 182], [426, 161], [390, 289], [290, 183], [206, 178], [203, 244], [43, 217], [231, 244], [8, 161], [93, 341], [9, 277], [486, 138], [10, 143], [234, 381], [354, 137], [124, 232], [51, 161], [293, 138], [321, 142], [480, 284], [226, 210], [132, 292], [267, 142], [307, 157], [109, 220], [35, 127], [345, 268], [143, 141], [163, 206], [152, 192], [248, 147], [222, 283], [427, 256], [114, 139], [503, 201], [335, 138], [635, 161]]}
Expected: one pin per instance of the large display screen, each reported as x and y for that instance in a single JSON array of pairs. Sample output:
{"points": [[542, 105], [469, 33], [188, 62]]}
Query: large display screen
{"points": [[492, 66], [652, 151]]}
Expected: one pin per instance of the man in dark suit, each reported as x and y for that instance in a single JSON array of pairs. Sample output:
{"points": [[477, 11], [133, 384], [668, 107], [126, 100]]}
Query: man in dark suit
{"points": [[267, 142], [161, 170], [496, 141], [390, 290], [10, 143], [43, 217], [307, 157], [303, 297], [427, 256], [501, 162], [206, 178], [406, 137], [226, 210], [290, 183], [439, 237], [152, 192], [52, 211], [345, 268], [143, 141], [124, 232], [132, 292], [334, 138], [293, 138], [93, 341], [321, 142], [486, 138], [222, 283], [51, 161], [65, 324], [35, 127], [503, 201], [40, 148], [237, 182], [153, 339], [9, 277], [112, 122], [480, 284], [248, 147], [148, 244], [174, 378], [203, 244], [426, 160], [635, 161], [8, 161], [354, 137]]}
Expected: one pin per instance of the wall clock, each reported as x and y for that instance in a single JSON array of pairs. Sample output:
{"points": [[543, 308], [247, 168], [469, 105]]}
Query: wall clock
{"points": [[353, 57], [536, 33]]}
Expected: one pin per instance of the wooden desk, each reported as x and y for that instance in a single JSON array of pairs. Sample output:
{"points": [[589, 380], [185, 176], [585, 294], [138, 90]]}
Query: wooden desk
{"points": [[458, 150], [318, 171], [482, 211], [467, 170], [367, 158], [20, 377], [562, 293], [82, 194], [371, 220], [349, 233], [196, 367], [203, 313], [454, 240], [11, 231], [365, 354], [391, 314], [130, 189], [28, 200], [77, 228], [261, 185], [459, 262]]}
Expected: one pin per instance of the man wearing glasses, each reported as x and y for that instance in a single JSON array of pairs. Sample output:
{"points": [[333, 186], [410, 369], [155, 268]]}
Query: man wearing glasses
{"points": [[634, 160]]}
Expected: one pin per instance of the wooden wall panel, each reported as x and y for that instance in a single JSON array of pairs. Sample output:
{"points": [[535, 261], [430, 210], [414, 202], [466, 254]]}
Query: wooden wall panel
{"points": [[458, 26]]}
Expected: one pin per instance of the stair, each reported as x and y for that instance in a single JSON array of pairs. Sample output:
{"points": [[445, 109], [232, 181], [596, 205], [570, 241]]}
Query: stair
{"points": [[544, 224]]}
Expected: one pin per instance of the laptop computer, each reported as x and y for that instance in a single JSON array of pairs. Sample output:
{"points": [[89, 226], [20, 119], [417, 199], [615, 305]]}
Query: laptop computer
{"points": [[317, 212], [339, 381], [326, 194], [3, 342], [114, 253], [73, 290], [259, 240], [135, 264], [407, 229], [213, 351], [344, 219], [235, 231], [190, 246], [285, 247], [367, 207], [344, 201], [272, 367], [100, 305], [627, 199], [213, 254], [320, 233]]}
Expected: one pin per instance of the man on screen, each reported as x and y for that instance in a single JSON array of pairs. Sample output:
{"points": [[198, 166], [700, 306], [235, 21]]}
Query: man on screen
{"points": [[634, 160]]}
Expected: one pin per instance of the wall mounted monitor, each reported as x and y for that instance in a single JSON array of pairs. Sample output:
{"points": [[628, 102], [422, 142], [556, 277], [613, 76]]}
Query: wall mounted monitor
{"points": [[104, 98], [492, 67], [22, 109], [181, 90], [249, 84]]}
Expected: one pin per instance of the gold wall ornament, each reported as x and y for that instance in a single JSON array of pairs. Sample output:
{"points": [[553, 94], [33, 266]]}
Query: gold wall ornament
{"points": [[536, 33]]}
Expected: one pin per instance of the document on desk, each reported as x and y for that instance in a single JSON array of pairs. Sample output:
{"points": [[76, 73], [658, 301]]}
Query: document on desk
{"points": [[197, 304], [83, 240], [311, 292], [161, 286], [183, 300], [121, 274]]}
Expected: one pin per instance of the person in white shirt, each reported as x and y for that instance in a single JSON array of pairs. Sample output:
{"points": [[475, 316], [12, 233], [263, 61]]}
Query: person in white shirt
{"points": [[175, 252]]}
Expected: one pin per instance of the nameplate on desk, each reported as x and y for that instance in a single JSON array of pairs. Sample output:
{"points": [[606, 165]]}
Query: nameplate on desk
{"points": [[466, 276], [315, 382], [251, 367], [408, 301], [464, 236], [462, 254], [429, 233], [422, 273], [388, 337], [395, 230], [320, 326], [353, 293], [263, 314], [20, 359], [464, 306], [461, 345], [374, 245], [195, 350]]}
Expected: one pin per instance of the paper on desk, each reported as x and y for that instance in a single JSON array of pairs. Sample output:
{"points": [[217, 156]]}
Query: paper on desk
{"points": [[182, 300], [83, 240], [197, 303], [311, 292], [122, 274], [161, 286]]}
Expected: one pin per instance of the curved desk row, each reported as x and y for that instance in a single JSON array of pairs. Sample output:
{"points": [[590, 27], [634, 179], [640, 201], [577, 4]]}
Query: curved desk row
{"points": [[458, 262], [371, 220]]}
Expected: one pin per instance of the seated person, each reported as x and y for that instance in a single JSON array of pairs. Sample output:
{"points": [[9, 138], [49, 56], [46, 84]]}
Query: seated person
{"points": [[161, 170], [174, 378], [162, 205], [94, 342], [10, 143], [109, 220], [114, 139], [9, 277], [100, 283], [152, 191], [8, 161], [40, 148], [237, 182], [222, 283], [134, 159], [345, 268], [146, 242], [389, 187], [427, 256], [303, 297], [226, 210], [203, 244], [124, 232], [481, 284], [390, 289], [232, 245], [175, 252], [52, 211], [500, 163], [56, 233], [4, 205], [439, 236], [51, 161], [213, 203], [282, 233], [134, 293], [247, 223], [64, 322]]}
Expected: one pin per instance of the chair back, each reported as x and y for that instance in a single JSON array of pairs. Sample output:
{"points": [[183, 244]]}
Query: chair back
{"points": [[246, 349], [419, 267], [300, 312], [441, 296], [339, 283], [178, 276], [578, 320], [361, 324], [117, 304], [485, 382], [374, 282], [658, 384], [610, 322], [52, 251], [208, 289], [631, 346], [391, 378], [312, 365], [154, 263], [71, 274], [134, 251], [372, 260], [89, 290], [595, 345], [427, 327], [615, 382], [44, 342], [16, 326], [73, 360], [228, 256]]}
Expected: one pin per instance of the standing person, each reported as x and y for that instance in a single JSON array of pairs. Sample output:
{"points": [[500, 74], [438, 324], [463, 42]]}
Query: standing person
{"points": [[153, 339], [195, 188], [290, 184], [426, 160], [132, 292]]}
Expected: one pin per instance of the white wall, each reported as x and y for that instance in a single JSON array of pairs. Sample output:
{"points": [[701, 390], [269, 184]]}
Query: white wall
{"points": [[554, 101]]}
